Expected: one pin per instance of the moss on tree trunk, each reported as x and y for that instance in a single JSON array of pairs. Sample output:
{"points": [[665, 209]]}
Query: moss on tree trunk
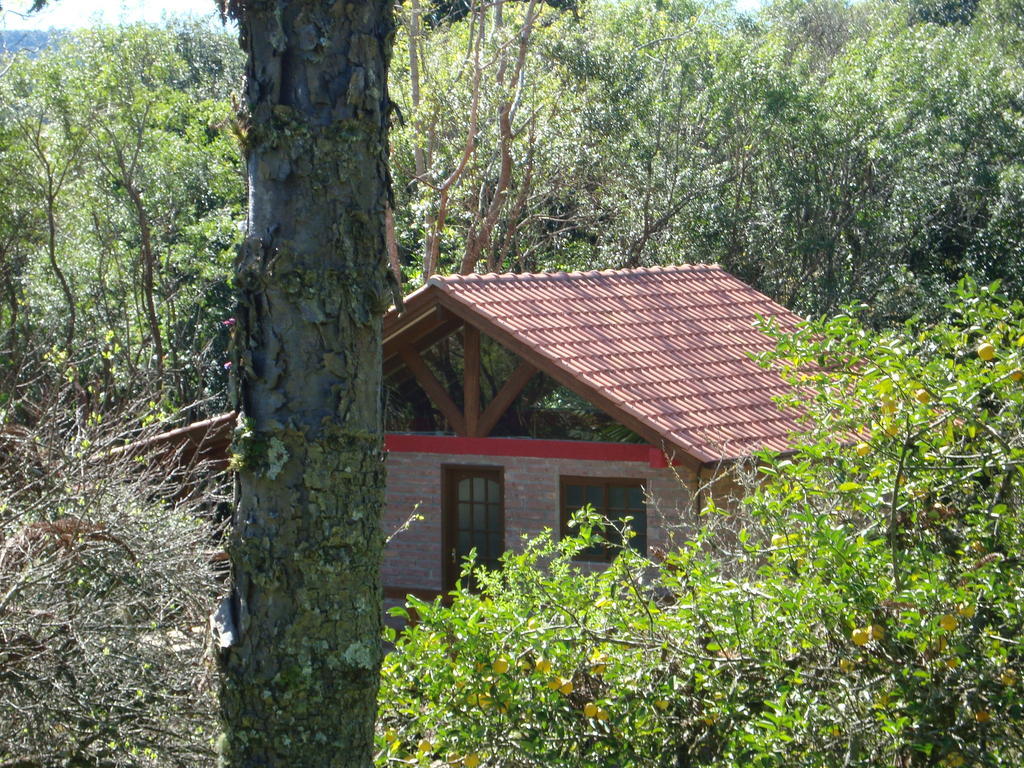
{"points": [[302, 626]]}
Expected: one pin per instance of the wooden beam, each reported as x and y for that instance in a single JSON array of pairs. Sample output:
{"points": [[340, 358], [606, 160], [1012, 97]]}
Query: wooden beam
{"points": [[471, 378], [412, 333], [424, 341], [509, 391], [434, 389]]}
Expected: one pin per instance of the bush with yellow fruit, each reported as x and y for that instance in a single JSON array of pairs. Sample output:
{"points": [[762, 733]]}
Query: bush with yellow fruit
{"points": [[862, 608]]}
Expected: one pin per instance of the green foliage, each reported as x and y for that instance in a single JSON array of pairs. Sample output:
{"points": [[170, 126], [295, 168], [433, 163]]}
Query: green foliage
{"points": [[867, 612], [125, 189], [825, 152]]}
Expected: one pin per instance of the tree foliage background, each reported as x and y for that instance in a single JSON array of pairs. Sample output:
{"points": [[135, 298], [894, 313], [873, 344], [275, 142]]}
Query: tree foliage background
{"points": [[822, 152], [825, 153]]}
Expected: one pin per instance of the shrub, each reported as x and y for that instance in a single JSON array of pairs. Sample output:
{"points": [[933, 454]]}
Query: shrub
{"points": [[868, 613], [105, 584]]}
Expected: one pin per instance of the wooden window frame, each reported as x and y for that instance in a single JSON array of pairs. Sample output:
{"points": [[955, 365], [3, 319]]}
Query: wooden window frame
{"points": [[606, 484]]}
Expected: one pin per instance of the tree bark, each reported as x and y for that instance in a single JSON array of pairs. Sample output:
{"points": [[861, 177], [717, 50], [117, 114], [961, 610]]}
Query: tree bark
{"points": [[300, 632]]}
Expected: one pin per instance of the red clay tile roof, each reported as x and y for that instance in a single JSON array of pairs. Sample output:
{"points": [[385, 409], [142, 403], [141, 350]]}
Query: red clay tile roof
{"points": [[668, 348]]}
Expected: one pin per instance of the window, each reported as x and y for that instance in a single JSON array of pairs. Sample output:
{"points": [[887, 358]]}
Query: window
{"points": [[613, 499]]}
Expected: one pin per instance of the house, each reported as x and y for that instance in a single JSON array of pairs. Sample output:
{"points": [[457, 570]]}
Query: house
{"points": [[648, 371], [512, 400]]}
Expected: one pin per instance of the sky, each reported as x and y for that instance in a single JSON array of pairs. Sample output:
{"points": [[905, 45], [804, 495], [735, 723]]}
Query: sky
{"points": [[69, 14]]}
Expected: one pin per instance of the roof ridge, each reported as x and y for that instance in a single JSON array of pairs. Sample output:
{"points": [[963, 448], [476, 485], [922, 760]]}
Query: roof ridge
{"points": [[563, 275]]}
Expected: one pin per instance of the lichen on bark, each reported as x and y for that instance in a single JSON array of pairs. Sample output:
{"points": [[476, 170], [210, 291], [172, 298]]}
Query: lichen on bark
{"points": [[300, 679]]}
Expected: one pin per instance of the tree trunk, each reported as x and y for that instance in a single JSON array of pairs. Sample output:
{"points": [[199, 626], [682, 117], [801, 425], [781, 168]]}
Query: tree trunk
{"points": [[148, 260], [300, 632], [51, 251]]}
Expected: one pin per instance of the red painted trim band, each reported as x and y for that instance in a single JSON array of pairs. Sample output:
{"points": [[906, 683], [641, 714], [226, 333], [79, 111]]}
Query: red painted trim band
{"points": [[536, 449]]}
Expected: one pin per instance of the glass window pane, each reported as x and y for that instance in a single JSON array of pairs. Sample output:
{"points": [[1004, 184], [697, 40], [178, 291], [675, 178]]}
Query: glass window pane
{"points": [[464, 545], [480, 542], [635, 497], [574, 496], [479, 517], [595, 497], [478, 489], [464, 488], [616, 497], [493, 491], [464, 521], [493, 517]]}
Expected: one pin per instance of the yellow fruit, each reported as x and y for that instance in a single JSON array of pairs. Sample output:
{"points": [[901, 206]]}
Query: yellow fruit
{"points": [[861, 636], [784, 540], [892, 430], [846, 665], [598, 669], [982, 715], [472, 760], [1009, 677], [500, 666], [424, 746], [922, 396], [949, 622], [555, 683], [888, 406], [661, 704], [565, 688], [939, 643], [543, 666], [390, 735], [953, 662], [986, 351], [590, 709], [602, 714], [863, 449], [1016, 375], [966, 610], [877, 632]]}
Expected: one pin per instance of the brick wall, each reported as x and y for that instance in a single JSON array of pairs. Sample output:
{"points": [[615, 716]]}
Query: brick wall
{"points": [[413, 557]]}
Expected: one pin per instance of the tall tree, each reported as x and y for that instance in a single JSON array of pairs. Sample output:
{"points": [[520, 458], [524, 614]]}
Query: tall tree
{"points": [[300, 631]]}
